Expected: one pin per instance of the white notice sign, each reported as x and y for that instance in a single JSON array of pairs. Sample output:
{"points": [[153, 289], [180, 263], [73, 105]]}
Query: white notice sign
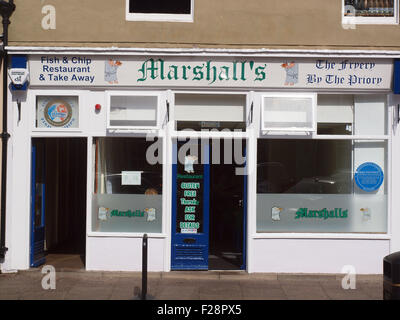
{"points": [[131, 178]]}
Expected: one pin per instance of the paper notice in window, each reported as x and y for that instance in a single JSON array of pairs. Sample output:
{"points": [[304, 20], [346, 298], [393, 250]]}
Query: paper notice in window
{"points": [[188, 230], [131, 178]]}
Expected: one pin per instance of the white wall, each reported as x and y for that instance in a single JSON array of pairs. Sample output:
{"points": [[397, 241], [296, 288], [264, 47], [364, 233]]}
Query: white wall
{"points": [[123, 254], [395, 181], [318, 255]]}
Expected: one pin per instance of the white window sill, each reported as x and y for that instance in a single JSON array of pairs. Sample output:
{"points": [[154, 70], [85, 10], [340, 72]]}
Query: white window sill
{"points": [[325, 236], [159, 17], [369, 20], [96, 234]]}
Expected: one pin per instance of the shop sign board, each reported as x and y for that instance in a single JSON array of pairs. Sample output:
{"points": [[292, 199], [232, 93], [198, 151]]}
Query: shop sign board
{"points": [[291, 73]]}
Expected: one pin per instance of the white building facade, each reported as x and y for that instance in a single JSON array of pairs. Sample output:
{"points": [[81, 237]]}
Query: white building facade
{"points": [[288, 159]]}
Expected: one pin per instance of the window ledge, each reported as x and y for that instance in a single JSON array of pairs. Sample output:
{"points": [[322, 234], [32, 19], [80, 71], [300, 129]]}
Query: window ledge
{"points": [[159, 17], [323, 236], [125, 235], [369, 20]]}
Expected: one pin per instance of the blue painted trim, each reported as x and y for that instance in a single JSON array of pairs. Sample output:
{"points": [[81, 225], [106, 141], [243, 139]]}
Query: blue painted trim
{"points": [[396, 77], [36, 231], [173, 206], [33, 196]]}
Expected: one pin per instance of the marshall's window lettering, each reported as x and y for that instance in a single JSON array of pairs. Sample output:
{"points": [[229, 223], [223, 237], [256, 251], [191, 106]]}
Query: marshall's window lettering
{"points": [[60, 112], [128, 189]]}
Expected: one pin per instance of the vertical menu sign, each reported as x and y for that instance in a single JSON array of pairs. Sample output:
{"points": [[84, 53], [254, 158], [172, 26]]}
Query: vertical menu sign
{"points": [[190, 183]]}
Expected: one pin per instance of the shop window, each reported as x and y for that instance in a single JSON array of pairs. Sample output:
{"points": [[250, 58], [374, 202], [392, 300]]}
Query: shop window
{"points": [[127, 189], [133, 111], [328, 184], [283, 113], [210, 112], [159, 10], [370, 11], [57, 112]]}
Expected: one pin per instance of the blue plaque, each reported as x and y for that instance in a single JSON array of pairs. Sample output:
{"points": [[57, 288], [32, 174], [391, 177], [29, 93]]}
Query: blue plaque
{"points": [[369, 176]]}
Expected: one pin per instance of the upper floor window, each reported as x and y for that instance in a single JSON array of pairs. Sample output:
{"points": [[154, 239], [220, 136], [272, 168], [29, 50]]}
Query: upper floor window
{"points": [[160, 10], [370, 11]]}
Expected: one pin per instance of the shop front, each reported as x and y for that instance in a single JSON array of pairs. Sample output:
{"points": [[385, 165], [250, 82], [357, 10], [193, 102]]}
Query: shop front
{"points": [[227, 162]]}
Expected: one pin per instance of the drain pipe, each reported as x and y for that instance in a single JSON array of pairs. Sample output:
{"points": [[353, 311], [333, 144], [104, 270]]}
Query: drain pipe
{"points": [[6, 10]]}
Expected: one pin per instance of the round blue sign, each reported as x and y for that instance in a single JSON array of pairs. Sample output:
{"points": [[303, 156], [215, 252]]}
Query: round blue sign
{"points": [[369, 176]]}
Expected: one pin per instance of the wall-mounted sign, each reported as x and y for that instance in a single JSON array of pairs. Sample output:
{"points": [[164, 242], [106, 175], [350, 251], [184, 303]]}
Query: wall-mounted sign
{"points": [[299, 73], [337, 213], [369, 177], [18, 76], [57, 112]]}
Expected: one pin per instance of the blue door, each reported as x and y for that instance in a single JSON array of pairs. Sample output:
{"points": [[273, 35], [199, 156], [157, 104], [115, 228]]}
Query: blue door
{"points": [[37, 252], [190, 206]]}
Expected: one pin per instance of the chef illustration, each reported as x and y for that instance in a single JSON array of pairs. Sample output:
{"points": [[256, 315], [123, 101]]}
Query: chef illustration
{"points": [[366, 214], [110, 71], [292, 73], [189, 161], [276, 213]]}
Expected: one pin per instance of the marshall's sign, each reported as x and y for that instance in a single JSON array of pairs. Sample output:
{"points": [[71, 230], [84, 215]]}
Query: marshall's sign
{"points": [[192, 71]]}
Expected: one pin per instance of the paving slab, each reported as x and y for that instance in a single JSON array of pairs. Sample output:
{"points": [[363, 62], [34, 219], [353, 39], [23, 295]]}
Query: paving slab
{"points": [[189, 285], [263, 293], [335, 291], [203, 275], [221, 290], [178, 292], [303, 290]]}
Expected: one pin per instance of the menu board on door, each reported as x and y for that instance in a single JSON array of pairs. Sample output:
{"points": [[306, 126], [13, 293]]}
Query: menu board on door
{"points": [[190, 183]]}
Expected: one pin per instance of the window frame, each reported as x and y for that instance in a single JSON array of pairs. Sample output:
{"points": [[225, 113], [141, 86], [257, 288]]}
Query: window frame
{"points": [[372, 20], [160, 17], [307, 130], [34, 94], [144, 129]]}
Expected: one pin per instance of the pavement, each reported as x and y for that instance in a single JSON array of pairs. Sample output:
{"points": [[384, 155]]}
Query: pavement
{"points": [[187, 285]]}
